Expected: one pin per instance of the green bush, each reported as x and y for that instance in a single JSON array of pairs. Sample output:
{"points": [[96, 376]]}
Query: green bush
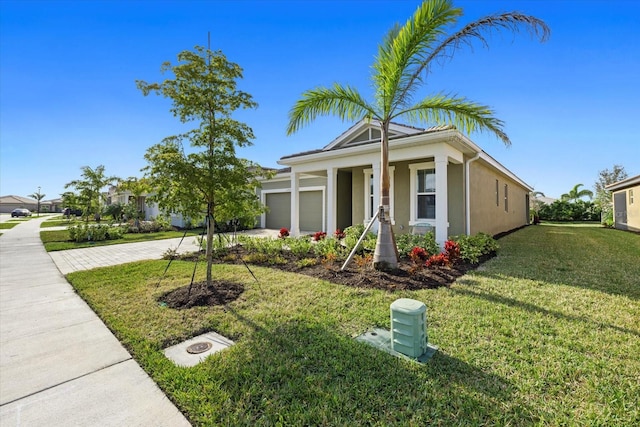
{"points": [[329, 247], [473, 247], [94, 233], [299, 246], [353, 233], [406, 242]]}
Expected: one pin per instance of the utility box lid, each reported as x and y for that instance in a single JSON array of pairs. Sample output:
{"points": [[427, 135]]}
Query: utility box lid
{"points": [[408, 306]]}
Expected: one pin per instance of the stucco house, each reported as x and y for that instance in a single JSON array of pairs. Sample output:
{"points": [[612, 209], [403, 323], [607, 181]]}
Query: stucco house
{"points": [[440, 180], [626, 203], [11, 202]]}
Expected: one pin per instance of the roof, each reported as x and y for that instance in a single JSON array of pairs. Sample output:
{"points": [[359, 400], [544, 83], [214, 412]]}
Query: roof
{"points": [[11, 199], [625, 183]]}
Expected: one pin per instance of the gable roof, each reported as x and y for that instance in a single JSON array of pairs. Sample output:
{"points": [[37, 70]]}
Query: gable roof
{"points": [[16, 199], [367, 132], [625, 183]]}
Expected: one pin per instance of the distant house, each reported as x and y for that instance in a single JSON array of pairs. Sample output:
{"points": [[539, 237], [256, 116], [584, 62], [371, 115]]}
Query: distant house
{"points": [[626, 203], [9, 203], [149, 210], [440, 180]]}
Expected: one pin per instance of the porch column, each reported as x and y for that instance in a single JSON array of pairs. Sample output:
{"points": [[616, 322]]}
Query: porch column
{"points": [[295, 204], [332, 199], [442, 202], [376, 193]]}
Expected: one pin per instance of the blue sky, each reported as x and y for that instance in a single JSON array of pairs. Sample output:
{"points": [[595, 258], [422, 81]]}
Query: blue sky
{"points": [[68, 70]]}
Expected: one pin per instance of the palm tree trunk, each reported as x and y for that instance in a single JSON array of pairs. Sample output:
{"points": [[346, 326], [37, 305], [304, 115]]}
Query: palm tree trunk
{"points": [[386, 253]]}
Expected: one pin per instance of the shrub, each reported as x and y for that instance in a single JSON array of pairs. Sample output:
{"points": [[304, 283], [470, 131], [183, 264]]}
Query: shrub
{"points": [[452, 251], [418, 255], [339, 234], [300, 247], [319, 235], [437, 260], [93, 233], [473, 247], [353, 233], [306, 262], [406, 243], [283, 233], [326, 247]]}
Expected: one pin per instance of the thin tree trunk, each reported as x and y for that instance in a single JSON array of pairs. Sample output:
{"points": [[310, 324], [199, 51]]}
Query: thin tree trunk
{"points": [[209, 253], [386, 253]]}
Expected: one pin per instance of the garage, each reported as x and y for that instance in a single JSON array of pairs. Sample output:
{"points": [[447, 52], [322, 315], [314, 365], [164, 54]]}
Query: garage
{"points": [[279, 210], [311, 211]]}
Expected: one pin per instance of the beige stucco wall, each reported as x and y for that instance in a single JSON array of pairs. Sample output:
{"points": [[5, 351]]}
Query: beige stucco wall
{"points": [[486, 216], [633, 210]]}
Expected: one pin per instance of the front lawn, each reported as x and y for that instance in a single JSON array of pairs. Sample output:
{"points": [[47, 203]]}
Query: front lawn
{"points": [[546, 333], [58, 240], [8, 225]]}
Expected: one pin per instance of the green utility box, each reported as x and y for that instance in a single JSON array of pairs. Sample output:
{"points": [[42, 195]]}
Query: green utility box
{"points": [[409, 327]]}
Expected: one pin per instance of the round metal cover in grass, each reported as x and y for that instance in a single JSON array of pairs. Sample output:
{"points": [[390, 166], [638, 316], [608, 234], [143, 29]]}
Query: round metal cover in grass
{"points": [[199, 347]]}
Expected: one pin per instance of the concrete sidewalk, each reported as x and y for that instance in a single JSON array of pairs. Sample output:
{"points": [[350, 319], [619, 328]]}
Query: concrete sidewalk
{"points": [[59, 364]]}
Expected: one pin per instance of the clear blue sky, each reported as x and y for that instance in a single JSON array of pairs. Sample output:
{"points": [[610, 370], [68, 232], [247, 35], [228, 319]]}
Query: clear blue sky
{"points": [[68, 69]]}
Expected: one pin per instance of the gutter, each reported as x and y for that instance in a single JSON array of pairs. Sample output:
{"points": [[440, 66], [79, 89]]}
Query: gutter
{"points": [[468, 192]]}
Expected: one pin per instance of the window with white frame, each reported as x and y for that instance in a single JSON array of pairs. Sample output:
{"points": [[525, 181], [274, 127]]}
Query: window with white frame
{"points": [[370, 206], [423, 192]]}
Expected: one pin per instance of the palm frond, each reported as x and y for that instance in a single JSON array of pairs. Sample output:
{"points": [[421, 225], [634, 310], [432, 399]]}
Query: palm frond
{"points": [[404, 47], [457, 111], [478, 31], [342, 101]]}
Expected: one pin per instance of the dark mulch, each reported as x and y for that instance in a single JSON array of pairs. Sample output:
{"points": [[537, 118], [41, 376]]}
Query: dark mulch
{"points": [[405, 277]]}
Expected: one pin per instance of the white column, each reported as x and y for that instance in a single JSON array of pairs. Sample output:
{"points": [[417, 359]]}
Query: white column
{"points": [[295, 204], [376, 193], [332, 199], [442, 202]]}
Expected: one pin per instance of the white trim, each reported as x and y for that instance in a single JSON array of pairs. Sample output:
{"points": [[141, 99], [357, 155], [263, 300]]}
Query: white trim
{"points": [[376, 193], [413, 206]]}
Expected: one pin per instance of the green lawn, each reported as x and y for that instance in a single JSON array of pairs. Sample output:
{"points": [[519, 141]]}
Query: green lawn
{"points": [[7, 225], [58, 240], [546, 333]]}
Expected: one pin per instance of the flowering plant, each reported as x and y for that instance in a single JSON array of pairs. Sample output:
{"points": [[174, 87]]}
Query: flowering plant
{"points": [[440, 259], [319, 235], [339, 234], [284, 232], [452, 251], [418, 255]]}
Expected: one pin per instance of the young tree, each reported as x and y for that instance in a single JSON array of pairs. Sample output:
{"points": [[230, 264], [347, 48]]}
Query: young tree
{"points": [[603, 196], [137, 187], [90, 188], [575, 194], [210, 180], [38, 196], [402, 66]]}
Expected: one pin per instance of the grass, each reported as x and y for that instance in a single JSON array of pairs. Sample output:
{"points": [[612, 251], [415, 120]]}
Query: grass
{"points": [[7, 225], [546, 333], [58, 240]]}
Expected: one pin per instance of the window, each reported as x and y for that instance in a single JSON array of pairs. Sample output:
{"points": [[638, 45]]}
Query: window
{"points": [[631, 196], [506, 198], [497, 193], [426, 194], [422, 193], [372, 194]]}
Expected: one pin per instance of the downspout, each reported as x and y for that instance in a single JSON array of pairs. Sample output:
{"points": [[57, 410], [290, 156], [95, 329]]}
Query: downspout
{"points": [[468, 193]]}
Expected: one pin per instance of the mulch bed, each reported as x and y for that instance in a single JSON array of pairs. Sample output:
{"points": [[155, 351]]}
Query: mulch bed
{"points": [[405, 277]]}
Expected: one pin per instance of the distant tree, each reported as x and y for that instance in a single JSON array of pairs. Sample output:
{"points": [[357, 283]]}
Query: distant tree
{"points": [[90, 187], [576, 194], [38, 196], [137, 187], [603, 196], [211, 180], [535, 204], [405, 59]]}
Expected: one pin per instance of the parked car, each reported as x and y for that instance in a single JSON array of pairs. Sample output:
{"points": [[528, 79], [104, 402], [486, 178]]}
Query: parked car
{"points": [[20, 212]]}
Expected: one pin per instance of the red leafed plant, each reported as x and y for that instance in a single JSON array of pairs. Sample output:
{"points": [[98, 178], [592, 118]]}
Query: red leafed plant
{"points": [[283, 233], [441, 259], [418, 255], [319, 235], [339, 234], [452, 251]]}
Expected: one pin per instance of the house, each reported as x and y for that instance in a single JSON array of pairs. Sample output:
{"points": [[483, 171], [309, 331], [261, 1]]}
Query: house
{"points": [[440, 180], [626, 203], [11, 202], [147, 209]]}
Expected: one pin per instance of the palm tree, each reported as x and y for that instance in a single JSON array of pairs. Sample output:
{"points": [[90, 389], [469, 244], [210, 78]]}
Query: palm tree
{"points": [[94, 180], [574, 195], [403, 62], [38, 196]]}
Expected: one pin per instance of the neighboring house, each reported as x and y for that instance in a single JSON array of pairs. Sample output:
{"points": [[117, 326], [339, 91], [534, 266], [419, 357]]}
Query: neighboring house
{"points": [[440, 180], [626, 203], [151, 210], [9, 203]]}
